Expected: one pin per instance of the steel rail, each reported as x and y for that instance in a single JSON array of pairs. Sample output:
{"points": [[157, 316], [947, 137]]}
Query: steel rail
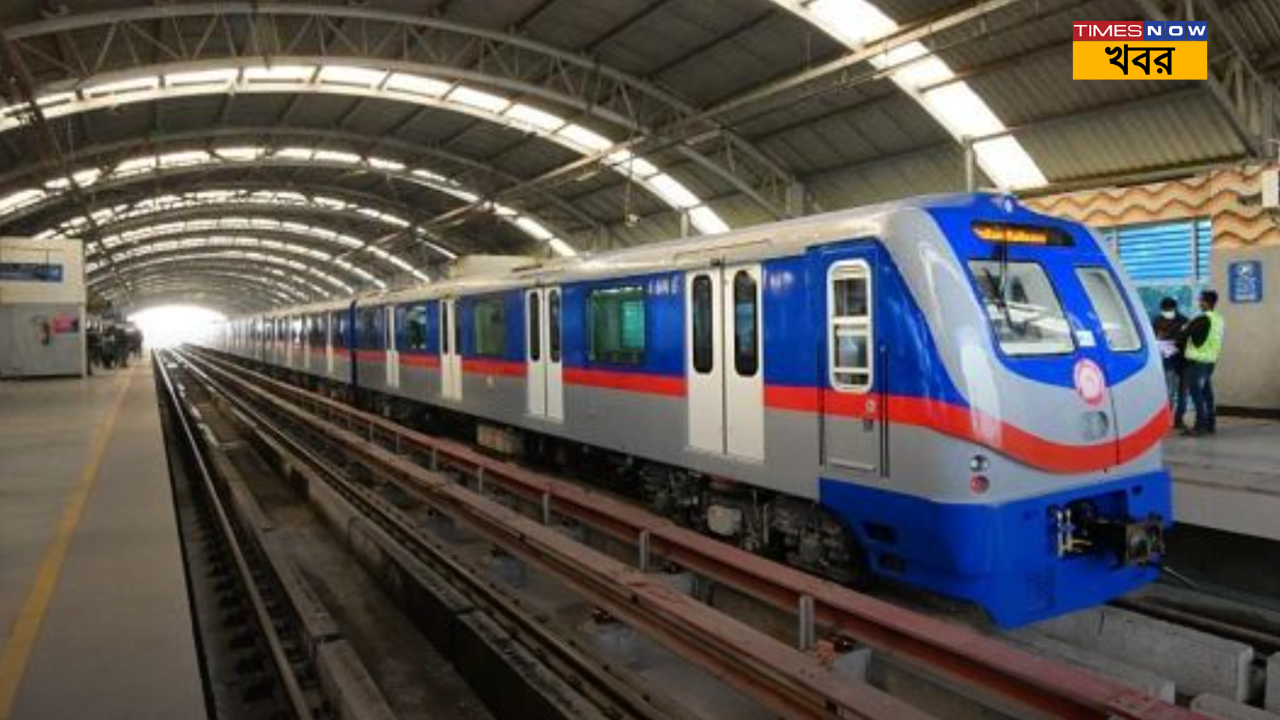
{"points": [[298, 702], [1002, 674], [783, 679], [407, 532]]}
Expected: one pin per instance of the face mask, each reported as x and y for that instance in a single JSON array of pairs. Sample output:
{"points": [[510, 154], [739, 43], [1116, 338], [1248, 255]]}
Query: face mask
{"points": [[1168, 314]]}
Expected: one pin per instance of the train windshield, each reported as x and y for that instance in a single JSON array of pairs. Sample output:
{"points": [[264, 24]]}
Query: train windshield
{"points": [[1022, 308], [1113, 312]]}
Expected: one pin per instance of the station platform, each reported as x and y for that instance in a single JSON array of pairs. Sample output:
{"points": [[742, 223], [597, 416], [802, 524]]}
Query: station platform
{"points": [[95, 622], [1229, 481]]}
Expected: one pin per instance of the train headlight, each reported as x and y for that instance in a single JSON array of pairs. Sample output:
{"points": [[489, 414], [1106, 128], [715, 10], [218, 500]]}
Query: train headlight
{"points": [[1095, 425], [979, 463]]}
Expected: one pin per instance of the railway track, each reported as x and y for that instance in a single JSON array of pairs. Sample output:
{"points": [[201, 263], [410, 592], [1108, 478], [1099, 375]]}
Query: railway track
{"points": [[1212, 611], [261, 670], [793, 682], [590, 689]]}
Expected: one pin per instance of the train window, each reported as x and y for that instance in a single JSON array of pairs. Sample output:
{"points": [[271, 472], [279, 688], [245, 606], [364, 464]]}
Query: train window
{"points": [[415, 327], [444, 327], [553, 308], [490, 322], [338, 330], [1022, 307], [1113, 312], [849, 303], [746, 320], [617, 325], [703, 325], [316, 335], [367, 329], [535, 327]]}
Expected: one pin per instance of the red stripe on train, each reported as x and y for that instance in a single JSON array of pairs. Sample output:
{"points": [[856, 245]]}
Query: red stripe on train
{"points": [[483, 366], [414, 360], [976, 427], [667, 385], [946, 418]]}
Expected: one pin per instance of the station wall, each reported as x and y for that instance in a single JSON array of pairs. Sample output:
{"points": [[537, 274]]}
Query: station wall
{"points": [[1243, 230]]}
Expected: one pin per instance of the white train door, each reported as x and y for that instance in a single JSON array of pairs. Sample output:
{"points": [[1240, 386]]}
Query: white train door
{"points": [[725, 361], [450, 353], [393, 354], [555, 357], [544, 378], [854, 413], [330, 331]]}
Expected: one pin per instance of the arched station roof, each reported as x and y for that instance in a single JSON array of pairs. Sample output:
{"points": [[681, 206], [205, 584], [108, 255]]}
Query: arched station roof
{"points": [[354, 146]]}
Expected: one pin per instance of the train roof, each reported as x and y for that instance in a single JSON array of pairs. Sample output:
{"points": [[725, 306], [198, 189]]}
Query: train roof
{"points": [[751, 243]]}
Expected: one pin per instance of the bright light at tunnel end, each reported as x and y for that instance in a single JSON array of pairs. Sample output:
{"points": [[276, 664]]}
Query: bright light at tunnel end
{"points": [[170, 325]]}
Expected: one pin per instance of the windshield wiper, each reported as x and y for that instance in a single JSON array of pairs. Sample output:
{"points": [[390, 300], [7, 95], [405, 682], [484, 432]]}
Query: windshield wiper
{"points": [[997, 289]]}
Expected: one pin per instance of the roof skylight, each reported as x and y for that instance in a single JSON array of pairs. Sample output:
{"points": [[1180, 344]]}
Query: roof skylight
{"points": [[955, 105]]}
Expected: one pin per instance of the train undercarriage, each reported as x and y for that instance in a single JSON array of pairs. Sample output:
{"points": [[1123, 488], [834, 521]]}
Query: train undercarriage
{"points": [[797, 531]]}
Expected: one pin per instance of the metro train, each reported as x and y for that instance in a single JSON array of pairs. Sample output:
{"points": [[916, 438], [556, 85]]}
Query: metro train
{"points": [[953, 392]]}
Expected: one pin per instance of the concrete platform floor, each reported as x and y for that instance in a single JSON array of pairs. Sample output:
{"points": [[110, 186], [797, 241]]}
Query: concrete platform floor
{"points": [[1231, 480], [94, 618]]}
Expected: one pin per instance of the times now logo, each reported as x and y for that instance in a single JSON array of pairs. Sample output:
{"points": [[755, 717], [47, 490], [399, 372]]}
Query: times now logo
{"points": [[1138, 30]]}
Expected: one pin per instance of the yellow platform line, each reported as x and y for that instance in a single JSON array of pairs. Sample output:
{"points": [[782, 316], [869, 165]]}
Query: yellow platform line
{"points": [[26, 628]]}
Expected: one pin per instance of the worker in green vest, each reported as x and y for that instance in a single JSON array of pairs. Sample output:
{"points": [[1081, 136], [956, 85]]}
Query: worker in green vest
{"points": [[1204, 344]]}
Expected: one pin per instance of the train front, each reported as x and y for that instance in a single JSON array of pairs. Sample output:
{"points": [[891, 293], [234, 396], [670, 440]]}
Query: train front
{"points": [[1053, 383]]}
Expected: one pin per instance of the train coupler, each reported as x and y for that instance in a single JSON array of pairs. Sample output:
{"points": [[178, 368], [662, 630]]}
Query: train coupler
{"points": [[1079, 529]]}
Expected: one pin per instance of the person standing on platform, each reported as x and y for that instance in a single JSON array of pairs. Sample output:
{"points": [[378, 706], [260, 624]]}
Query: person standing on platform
{"points": [[93, 348], [1168, 326], [120, 341], [135, 342], [107, 347], [1204, 345]]}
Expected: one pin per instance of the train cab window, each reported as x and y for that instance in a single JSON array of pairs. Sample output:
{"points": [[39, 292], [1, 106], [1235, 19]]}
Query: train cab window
{"points": [[1113, 311], [849, 305], [1022, 307], [414, 321], [746, 324], [702, 325], [617, 317], [553, 317], [535, 327], [489, 320]]}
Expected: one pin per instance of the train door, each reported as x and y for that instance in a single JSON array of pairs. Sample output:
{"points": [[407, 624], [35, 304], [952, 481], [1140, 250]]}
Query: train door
{"points": [[327, 325], [450, 352], [285, 357], [853, 412], [544, 379], [393, 353], [724, 361], [330, 339]]}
